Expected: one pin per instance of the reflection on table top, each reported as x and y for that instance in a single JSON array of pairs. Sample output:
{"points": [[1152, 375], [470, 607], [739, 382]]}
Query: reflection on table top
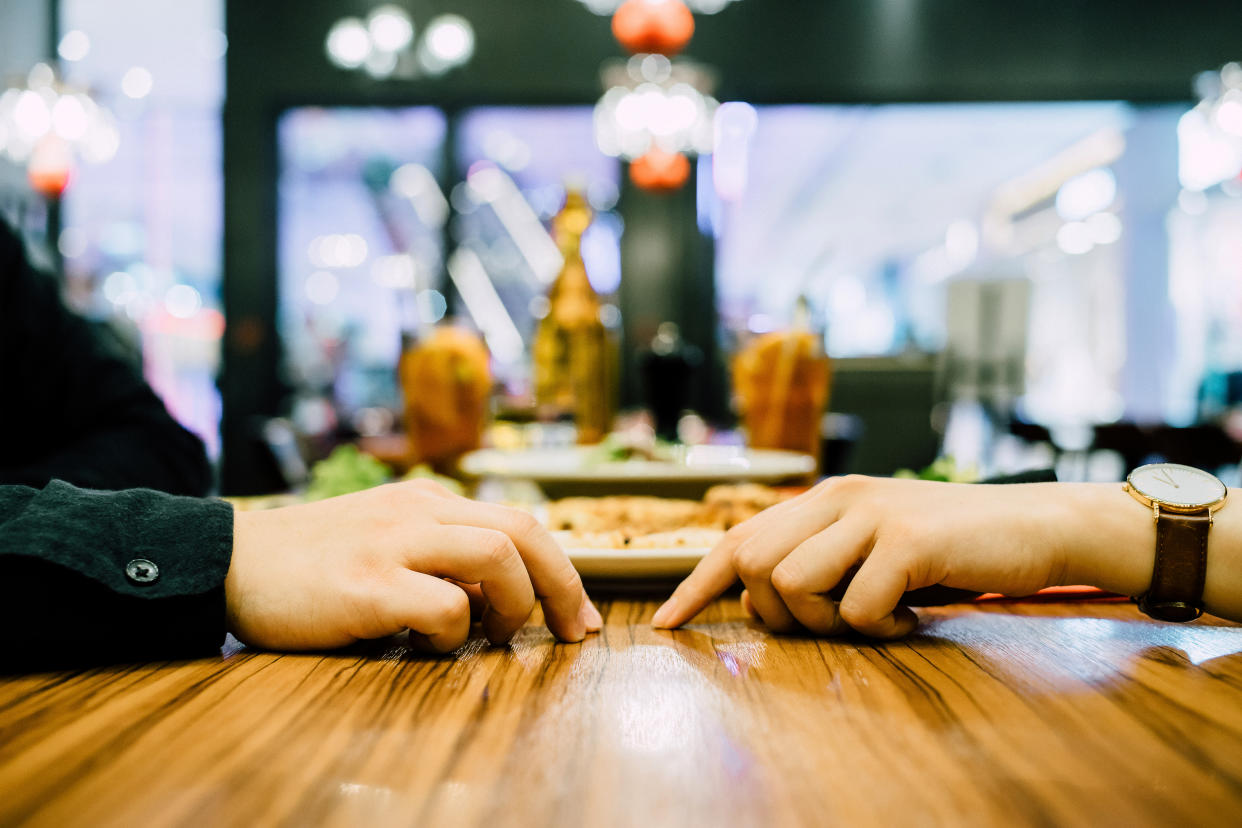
{"points": [[1050, 714]]}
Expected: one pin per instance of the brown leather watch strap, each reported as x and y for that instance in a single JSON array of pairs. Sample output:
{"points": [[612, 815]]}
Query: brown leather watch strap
{"points": [[1176, 592]]}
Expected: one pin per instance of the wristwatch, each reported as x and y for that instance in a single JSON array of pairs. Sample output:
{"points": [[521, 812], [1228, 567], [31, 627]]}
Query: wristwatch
{"points": [[1182, 500]]}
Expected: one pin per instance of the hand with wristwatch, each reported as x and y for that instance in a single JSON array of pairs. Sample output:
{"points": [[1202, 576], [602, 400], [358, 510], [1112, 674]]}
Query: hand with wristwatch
{"points": [[854, 553]]}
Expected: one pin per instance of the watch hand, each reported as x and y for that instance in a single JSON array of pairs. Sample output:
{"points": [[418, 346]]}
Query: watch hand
{"points": [[1168, 478]]}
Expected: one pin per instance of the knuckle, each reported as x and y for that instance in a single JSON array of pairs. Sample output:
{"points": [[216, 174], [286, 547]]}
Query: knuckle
{"points": [[736, 536], [787, 577], [850, 483], [450, 608], [750, 561], [390, 498], [424, 486], [496, 548], [523, 524], [400, 501], [854, 613], [824, 488]]}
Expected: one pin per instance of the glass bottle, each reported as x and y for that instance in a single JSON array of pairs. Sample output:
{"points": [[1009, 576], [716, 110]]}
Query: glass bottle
{"points": [[572, 371], [668, 371]]}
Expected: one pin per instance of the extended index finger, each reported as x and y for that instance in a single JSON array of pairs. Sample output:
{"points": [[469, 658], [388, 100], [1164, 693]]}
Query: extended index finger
{"points": [[716, 572], [710, 577]]}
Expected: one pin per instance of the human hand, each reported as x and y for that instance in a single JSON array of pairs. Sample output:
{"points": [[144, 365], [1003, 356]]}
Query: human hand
{"points": [[407, 555], [899, 535]]}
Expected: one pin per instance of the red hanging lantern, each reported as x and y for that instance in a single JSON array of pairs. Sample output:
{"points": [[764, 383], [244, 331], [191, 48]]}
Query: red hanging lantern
{"points": [[660, 26], [660, 171], [50, 166]]}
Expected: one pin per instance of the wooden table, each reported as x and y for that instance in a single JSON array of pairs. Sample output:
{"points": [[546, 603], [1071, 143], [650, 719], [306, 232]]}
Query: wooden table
{"points": [[1017, 714]]}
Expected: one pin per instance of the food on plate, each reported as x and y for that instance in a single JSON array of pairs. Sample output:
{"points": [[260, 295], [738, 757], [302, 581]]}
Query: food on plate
{"points": [[635, 513], [639, 522], [727, 506], [343, 471], [942, 468], [635, 444], [692, 537], [613, 539]]}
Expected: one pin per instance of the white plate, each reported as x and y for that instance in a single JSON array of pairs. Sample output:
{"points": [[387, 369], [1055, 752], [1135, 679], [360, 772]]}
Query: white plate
{"points": [[578, 470], [635, 563]]}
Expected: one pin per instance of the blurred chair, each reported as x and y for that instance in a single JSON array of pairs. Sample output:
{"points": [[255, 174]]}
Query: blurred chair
{"points": [[1205, 446], [890, 401], [839, 434]]}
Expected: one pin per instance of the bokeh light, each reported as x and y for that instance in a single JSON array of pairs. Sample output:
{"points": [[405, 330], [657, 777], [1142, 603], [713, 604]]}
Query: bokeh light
{"points": [[349, 43], [137, 82], [390, 28], [75, 45]]}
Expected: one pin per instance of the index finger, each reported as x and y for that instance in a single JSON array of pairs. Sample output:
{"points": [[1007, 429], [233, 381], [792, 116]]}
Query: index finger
{"points": [[716, 572], [556, 582], [710, 577]]}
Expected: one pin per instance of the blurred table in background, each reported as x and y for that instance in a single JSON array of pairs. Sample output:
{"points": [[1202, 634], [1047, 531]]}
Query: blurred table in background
{"points": [[1205, 446], [1013, 714], [884, 407]]}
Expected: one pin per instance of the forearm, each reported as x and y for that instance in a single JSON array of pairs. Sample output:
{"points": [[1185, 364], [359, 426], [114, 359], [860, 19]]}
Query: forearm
{"points": [[1108, 540]]}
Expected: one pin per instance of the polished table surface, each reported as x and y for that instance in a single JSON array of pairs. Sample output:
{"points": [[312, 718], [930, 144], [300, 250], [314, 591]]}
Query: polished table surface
{"points": [[1006, 714]]}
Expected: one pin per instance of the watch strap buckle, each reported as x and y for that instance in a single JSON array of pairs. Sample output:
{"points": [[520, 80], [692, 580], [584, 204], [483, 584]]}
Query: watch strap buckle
{"points": [[1177, 611]]}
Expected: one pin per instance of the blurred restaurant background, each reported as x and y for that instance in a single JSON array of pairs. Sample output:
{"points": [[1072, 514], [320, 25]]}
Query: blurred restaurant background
{"points": [[1012, 230]]}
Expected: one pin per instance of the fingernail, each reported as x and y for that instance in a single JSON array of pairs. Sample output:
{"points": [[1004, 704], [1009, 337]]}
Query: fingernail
{"points": [[578, 629], [664, 613], [594, 621], [584, 618]]}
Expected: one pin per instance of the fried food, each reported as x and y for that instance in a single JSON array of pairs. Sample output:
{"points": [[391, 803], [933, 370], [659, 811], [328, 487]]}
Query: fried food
{"points": [[639, 522]]}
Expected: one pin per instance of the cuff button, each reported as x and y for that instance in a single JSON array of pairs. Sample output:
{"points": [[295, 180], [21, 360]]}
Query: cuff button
{"points": [[142, 571]]}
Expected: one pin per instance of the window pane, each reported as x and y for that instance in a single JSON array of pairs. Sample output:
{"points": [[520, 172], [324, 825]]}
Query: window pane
{"points": [[361, 213], [516, 163]]}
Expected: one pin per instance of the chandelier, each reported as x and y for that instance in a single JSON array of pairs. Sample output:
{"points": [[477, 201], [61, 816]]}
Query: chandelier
{"points": [[386, 44], [1220, 96], [46, 125], [656, 110], [652, 102], [607, 7], [1211, 133]]}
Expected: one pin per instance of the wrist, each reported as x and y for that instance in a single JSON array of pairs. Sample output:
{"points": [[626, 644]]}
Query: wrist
{"points": [[237, 565], [1107, 538]]}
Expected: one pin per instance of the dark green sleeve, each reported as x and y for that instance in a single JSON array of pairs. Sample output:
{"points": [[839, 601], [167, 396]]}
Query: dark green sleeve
{"points": [[91, 576]]}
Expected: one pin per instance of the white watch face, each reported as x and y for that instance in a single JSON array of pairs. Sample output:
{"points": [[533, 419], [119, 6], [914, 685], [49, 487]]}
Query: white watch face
{"points": [[1177, 485]]}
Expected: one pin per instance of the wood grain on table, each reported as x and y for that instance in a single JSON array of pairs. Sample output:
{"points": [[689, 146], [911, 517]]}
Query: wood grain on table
{"points": [[1047, 714]]}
